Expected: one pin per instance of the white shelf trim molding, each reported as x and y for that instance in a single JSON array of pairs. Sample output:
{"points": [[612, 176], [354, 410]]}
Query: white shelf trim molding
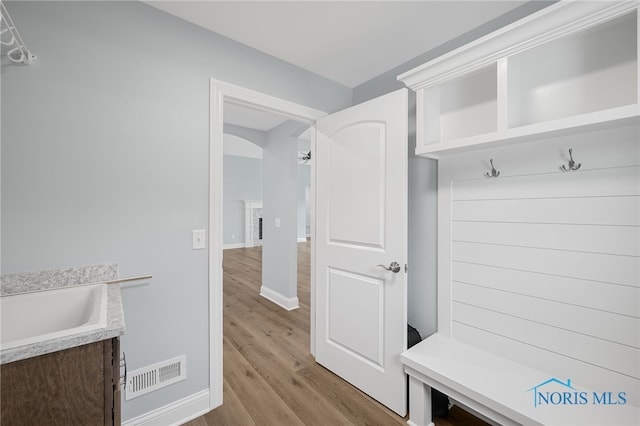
{"points": [[550, 23], [620, 116]]}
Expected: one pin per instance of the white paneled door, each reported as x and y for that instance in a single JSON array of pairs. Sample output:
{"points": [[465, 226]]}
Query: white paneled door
{"points": [[361, 230]]}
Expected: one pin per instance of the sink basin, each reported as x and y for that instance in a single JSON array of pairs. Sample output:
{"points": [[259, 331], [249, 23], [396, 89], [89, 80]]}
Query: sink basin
{"points": [[30, 318]]}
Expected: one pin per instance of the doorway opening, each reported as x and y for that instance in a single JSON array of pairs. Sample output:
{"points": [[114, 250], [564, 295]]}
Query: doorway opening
{"points": [[266, 195], [222, 95]]}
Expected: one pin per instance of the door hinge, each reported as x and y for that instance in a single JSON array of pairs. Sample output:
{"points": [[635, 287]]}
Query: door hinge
{"points": [[406, 268]]}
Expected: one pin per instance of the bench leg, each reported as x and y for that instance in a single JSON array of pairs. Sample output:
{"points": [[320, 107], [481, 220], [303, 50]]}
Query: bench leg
{"points": [[419, 403]]}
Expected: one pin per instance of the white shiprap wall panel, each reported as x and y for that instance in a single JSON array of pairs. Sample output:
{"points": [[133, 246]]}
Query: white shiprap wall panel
{"points": [[541, 265]]}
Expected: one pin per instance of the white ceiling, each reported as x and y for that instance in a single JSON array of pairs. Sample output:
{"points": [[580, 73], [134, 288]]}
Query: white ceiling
{"points": [[349, 42]]}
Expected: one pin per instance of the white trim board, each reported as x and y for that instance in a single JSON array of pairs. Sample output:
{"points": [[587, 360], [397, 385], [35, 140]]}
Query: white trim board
{"points": [[234, 246], [221, 92], [289, 303], [175, 413]]}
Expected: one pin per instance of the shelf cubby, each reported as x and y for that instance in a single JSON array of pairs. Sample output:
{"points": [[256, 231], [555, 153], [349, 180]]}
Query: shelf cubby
{"points": [[571, 67], [588, 71]]}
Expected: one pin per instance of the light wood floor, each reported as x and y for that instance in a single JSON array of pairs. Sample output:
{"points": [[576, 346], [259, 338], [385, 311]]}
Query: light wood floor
{"points": [[270, 378]]}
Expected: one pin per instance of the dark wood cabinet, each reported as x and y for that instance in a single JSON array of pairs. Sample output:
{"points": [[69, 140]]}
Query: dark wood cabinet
{"points": [[77, 386]]}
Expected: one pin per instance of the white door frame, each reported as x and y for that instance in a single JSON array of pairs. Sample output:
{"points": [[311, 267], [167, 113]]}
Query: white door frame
{"points": [[219, 93]]}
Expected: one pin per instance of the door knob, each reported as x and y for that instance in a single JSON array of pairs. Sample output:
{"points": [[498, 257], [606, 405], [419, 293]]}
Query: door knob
{"points": [[393, 267]]}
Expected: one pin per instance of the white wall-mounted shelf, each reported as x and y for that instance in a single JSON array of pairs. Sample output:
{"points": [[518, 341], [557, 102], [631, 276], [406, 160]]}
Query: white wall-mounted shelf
{"points": [[620, 116], [570, 67]]}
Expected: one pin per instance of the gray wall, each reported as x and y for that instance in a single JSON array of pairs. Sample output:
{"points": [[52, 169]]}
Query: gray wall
{"points": [[105, 159], [280, 191], [304, 182], [242, 181], [423, 176], [422, 238], [387, 82]]}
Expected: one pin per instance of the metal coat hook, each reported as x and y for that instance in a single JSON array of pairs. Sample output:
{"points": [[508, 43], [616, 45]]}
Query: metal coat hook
{"points": [[572, 164], [494, 172]]}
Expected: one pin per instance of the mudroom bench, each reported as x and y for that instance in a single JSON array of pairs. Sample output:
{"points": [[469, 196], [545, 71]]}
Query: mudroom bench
{"points": [[499, 390]]}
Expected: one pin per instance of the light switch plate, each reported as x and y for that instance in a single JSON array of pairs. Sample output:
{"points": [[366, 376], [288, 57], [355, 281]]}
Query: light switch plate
{"points": [[199, 239], [277, 222]]}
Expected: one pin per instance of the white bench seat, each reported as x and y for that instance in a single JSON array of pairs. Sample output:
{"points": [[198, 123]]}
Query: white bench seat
{"points": [[498, 389]]}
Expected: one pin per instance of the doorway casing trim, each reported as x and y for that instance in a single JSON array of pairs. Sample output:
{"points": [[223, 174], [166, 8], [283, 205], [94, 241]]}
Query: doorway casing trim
{"points": [[219, 93]]}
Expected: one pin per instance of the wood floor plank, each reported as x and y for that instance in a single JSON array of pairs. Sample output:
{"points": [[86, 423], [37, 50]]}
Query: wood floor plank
{"points": [[286, 343], [270, 378], [359, 408], [262, 404], [200, 421], [289, 356], [234, 413], [276, 370]]}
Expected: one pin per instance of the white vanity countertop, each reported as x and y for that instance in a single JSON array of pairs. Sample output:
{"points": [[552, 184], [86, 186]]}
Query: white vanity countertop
{"points": [[15, 283], [115, 327]]}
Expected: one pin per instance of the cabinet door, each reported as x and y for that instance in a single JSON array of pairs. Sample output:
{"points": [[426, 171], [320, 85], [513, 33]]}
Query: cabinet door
{"points": [[61, 388]]}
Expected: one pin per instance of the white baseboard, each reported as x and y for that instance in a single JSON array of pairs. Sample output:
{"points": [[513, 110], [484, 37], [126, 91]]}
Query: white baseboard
{"points": [[233, 246], [175, 413], [302, 240], [289, 304]]}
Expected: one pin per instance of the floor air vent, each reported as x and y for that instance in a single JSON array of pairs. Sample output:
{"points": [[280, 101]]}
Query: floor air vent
{"points": [[156, 376]]}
